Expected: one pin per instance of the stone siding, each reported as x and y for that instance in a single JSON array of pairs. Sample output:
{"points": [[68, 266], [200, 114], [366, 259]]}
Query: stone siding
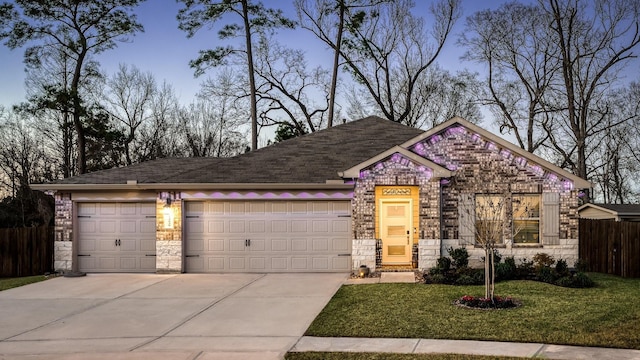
{"points": [[364, 253], [63, 233], [169, 236], [429, 251]]}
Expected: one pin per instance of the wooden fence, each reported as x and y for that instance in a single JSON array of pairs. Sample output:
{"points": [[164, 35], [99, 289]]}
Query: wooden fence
{"points": [[26, 251], [611, 247]]}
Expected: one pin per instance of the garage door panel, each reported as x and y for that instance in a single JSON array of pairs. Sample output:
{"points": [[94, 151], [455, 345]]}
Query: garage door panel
{"points": [[257, 226], [116, 237], [215, 245], [320, 226], [195, 227], [299, 263], [148, 263], [299, 245], [237, 263], [128, 227], [107, 209], [279, 263], [237, 245], [128, 245], [216, 263], [148, 226], [340, 226], [194, 208], [236, 226], [341, 263], [320, 263], [194, 264], [148, 246], [340, 244], [279, 226], [257, 244], [298, 226], [107, 226], [216, 227], [320, 244], [279, 245], [257, 263]]}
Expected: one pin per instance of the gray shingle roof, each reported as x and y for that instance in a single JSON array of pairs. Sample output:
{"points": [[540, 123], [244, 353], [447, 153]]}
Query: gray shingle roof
{"points": [[622, 209], [312, 158]]}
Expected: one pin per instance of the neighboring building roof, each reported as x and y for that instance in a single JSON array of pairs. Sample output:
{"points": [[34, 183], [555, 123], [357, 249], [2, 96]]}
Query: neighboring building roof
{"points": [[579, 182], [620, 210], [314, 158]]}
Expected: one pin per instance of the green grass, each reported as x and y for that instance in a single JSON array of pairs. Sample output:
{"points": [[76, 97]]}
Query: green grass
{"points": [[386, 356], [8, 283], [607, 315]]}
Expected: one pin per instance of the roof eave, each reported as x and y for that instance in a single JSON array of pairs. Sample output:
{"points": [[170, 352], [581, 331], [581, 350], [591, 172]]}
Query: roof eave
{"points": [[194, 186]]}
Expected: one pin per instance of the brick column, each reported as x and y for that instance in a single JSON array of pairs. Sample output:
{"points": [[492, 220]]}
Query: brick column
{"points": [[63, 242], [168, 233]]}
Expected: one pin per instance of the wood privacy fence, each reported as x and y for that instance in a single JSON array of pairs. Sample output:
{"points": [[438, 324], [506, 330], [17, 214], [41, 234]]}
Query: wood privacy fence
{"points": [[611, 247], [26, 251]]}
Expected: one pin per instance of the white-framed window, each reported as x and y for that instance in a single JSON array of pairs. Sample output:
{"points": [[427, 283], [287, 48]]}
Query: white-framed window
{"points": [[490, 210], [525, 210]]}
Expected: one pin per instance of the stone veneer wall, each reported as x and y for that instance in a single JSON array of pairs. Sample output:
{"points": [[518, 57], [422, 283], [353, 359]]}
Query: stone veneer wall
{"points": [[63, 230], [482, 167], [363, 252], [168, 240]]}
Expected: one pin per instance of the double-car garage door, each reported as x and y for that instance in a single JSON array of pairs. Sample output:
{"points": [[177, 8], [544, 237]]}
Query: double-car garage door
{"points": [[267, 236]]}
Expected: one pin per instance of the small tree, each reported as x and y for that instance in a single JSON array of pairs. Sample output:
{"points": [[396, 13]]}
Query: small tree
{"points": [[493, 216]]}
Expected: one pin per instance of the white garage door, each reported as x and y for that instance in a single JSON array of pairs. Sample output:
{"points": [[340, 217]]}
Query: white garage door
{"points": [[268, 236], [117, 237]]}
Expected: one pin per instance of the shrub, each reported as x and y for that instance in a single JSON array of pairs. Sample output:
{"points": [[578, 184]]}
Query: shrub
{"points": [[460, 257], [541, 260], [562, 269], [466, 280], [546, 274], [581, 280], [581, 265], [525, 270], [506, 271], [444, 264]]}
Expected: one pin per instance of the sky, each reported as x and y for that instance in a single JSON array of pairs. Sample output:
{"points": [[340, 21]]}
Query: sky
{"points": [[165, 51]]}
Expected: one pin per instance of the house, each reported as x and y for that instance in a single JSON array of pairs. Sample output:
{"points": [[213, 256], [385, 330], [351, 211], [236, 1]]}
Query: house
{"points": [[617, 212], [318, 202]]}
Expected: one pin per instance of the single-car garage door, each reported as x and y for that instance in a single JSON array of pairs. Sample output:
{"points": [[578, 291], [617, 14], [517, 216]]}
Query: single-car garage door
{"points": [[117, 237], [268, 236]]}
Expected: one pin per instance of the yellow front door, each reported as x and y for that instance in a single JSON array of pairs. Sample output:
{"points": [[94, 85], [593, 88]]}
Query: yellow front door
{"points": [[395, 231]]}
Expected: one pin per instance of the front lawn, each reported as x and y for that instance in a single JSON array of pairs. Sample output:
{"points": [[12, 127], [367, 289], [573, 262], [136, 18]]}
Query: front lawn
{"points": [[8, 283], [607, 315], [387, 356]]}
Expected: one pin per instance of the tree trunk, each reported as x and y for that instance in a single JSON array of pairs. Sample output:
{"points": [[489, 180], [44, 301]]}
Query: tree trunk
{"points": [[336, 63], [252, 80]]}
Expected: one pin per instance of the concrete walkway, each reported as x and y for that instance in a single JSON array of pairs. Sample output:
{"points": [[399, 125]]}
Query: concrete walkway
{"points": [[488, 348]]}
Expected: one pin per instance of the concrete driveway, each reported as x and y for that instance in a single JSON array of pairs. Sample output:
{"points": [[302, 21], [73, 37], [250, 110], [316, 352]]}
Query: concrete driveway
{"points": [[186, 316]]}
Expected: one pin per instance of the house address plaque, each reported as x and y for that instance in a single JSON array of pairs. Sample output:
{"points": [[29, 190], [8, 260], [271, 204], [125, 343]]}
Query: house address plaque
{"points": [[396, 191]]}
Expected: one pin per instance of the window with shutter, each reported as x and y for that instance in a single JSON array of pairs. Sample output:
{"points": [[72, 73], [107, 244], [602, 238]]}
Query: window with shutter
{"points": [[466, 213], [551, 218]]}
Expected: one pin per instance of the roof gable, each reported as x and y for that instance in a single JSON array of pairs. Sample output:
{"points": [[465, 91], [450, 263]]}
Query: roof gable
{"points": [[438, 171], [500, 144]]}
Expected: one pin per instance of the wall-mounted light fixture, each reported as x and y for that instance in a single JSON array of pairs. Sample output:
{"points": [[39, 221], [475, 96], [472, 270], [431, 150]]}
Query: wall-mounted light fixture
{"points": [[168, 212]]}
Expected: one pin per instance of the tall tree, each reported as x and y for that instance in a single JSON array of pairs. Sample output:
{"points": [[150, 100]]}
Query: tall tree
{"points": [[593, 44], [292, 93], [79, 28], [254, 18], [521, 63], [327, 19]]}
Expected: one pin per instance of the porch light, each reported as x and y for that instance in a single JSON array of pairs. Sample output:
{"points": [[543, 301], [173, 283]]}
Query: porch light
{"points": [[168, 217]]}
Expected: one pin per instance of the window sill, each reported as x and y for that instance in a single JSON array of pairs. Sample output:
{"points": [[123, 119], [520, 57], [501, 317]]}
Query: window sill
{"points": [[527, 245], [496, 246]]}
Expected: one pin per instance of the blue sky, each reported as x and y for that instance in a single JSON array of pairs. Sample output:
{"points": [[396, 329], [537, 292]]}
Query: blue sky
{"points": [[165, 51]]}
